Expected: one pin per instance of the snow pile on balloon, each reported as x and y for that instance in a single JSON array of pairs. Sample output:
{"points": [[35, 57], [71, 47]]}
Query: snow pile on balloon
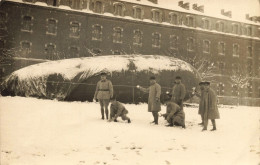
{"points": [[75, 79]]}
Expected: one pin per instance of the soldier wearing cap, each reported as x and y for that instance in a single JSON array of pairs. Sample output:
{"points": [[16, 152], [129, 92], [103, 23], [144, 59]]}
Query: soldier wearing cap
{"points": [[154, 104], [209, 108], [178, 92], [104, 91]]}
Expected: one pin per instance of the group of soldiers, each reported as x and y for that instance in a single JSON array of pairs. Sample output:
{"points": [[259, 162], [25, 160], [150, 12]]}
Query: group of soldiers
{"points": [[174, 115]]}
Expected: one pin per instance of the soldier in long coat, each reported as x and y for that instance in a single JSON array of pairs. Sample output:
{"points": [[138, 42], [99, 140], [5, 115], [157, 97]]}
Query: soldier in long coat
{"points": [[174, 114], [117, 109], [154, 104], [104, 91], [200, 95], [209, 107], [178, 92]]}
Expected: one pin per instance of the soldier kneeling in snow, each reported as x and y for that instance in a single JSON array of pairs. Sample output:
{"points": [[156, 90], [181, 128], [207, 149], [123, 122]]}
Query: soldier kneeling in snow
{"points": [[117, 109], [174, 114]]}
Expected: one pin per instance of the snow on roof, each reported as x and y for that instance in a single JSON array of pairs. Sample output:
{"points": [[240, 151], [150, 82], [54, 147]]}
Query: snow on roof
{"points": [[69, 68]]}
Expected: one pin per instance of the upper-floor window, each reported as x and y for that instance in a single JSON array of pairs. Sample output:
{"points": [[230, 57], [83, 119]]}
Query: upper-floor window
{"points": [[97, 32], [74, 29], [119, 9], [190, 21], [3, 20], [190, 44], [221, 48], [221, 67], [205, 24], [174, 19], [51, 26], [138, 12], [206, 46], [138, 37], [156, 40], [25, 47], [98, 7], [73, 52], [249, 30], [235, 28], [249, 52], [220, 26], [27, 23], [117, 35], [50, 51], [173, 42], [156, 15], [235, 50]]}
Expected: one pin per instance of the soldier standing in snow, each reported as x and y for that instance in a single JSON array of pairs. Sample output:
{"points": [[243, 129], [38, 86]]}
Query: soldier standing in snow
{"points": [[117, 109], [200, 95], [209, 106], [174, 114], [154, 104], [104, 91], [178, 92]]}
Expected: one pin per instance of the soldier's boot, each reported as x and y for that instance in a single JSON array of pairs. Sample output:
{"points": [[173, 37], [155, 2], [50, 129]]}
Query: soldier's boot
{"points": [[129, 121], [183, 126], [107, 114], [204, 129], [115, 120], [102, 113], [156, 116], [214, 125], [169, 125], [201, 123]]}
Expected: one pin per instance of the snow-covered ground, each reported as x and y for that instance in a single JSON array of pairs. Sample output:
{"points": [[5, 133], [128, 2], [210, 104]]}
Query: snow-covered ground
{"points": [[46, 132]]}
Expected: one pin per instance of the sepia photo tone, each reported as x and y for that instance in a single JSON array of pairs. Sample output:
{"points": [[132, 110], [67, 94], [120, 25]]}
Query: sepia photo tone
{"points": [[130, 82]]}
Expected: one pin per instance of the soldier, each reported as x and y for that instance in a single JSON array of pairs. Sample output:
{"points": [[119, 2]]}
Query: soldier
{"points": [[174, 114], [200, 95], [154, 104], [104, 91], [178, 92], [209, 107], [117, 109]]}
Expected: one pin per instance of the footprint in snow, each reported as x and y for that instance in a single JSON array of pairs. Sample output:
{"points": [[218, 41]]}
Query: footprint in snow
{"points": [[167, 162]]}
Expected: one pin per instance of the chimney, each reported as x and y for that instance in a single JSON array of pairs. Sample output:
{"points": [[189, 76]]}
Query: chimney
{"points": [[247, 16], [186, 6], [195, 6], [201, 8], [222, 11], [180, 3], [154, 1], [227, 13]]}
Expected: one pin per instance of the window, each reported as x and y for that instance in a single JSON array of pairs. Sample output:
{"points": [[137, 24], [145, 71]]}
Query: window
{"points": [[156, 15], [25, 47], [73, 52], [221, 48], [206, 46], [74, 29], [2, 20], [220, 26], [156, 40], [205, 24], [249, 67], [119, 9], [235, 28], [221, 67], [98, 7], [235, 90], [174, 19], [220, 89], [138, 37], [51, 26], [116, 52], [235, 50], [173, 42], [97, 32], [50, 51], [249, 52], [249, 31], [190, 44], [27, 23], [138, 12], [118, 35], [190, 21]]}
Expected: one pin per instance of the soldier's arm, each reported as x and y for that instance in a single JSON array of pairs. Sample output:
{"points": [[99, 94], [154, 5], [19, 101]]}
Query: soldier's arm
{"points": [[158, 91], [173, 110], [97, 87], [119, 111], [111, 90], [183, 91], [146, 90]]}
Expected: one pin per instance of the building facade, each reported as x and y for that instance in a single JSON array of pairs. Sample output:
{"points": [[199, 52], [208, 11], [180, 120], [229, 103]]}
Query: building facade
{"points": [[33, 31]]}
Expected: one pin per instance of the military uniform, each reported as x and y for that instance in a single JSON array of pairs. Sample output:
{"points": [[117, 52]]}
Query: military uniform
{"points": [[174, 114], [117, 109], [178, 94], [104, 91]]}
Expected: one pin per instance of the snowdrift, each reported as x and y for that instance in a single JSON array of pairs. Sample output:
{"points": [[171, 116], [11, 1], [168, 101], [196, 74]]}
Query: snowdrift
{"points": [[75, 79]]}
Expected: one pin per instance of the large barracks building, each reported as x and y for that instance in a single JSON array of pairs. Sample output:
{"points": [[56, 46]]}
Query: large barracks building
{"points": [[33, 31]]}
